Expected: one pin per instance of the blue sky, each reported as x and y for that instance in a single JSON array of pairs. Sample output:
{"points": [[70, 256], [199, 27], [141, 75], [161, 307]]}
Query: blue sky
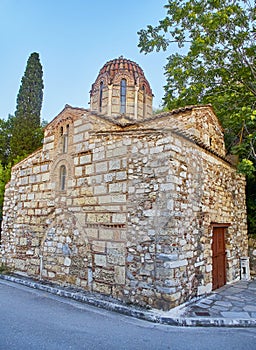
{"points": [[74, 39]]}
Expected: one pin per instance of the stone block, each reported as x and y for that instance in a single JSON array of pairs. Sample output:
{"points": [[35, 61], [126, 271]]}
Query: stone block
{"points": [[98, 155], [23, 241], [104, 199], [51, 274], [121, 175], [19, 264], [103, 275], [204, 289], [85, 159], [208, 268], [109, 177], [48, 146], [158, 149], [100, 189], [101, 167], [78, 171], [106, 234], [89, 169], [45, 177], [119, 218], [118, 198], [99, 217], [167, 187], [115, 254], [114, 164], [67, 261], [116, 187], [100, 260], [120, 275], [89, 200], [91, 232], [175, 264], [101, 288], [29, 252], [78, 138], [99, 246], [119, 151]]}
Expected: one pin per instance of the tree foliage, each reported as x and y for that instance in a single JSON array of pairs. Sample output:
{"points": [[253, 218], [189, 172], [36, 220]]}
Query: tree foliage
{"points": [[213, 62], [27, 132], [22, 134], [6, 127], [5, 173]]}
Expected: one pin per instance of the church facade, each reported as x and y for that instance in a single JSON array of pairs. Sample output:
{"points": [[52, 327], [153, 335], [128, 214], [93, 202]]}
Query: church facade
{"points": [[145, 208]]}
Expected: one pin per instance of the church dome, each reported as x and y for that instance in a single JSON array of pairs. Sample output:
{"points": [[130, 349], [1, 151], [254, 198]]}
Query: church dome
{"points": [[121, 88]]}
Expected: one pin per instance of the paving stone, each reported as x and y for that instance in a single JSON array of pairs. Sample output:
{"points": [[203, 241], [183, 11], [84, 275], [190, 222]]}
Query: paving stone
{"points": [[233, 315], [202, 305], [252, 287], [236, 309], [231, 291], [233, 297], [207, 301], [215, 297], [250, 308], [223, 303], [216, 307]]}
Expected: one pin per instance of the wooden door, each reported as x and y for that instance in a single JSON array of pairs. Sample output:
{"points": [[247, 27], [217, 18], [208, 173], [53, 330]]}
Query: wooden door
{"points": [[219, 258]]}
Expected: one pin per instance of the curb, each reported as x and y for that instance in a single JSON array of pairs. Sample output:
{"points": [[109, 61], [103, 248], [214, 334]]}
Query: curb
{"points": [[151, 316]]}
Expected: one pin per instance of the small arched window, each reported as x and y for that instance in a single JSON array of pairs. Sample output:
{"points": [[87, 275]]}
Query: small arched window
{"points": [[61, 131], [65, 140], [101, 95], [123, 96], [63, 176]]}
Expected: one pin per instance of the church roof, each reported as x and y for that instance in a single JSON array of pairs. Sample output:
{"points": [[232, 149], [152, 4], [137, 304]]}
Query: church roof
{"points": [[122, 65], [119, 64]]}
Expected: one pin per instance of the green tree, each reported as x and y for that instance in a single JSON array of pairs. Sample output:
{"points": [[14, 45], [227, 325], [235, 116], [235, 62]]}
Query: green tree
{"points": [[6, 127], [5, 173], [27, 132], [213, 62]]}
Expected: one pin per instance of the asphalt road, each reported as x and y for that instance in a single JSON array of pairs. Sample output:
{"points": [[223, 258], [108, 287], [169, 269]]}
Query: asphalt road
{"points": [[35, 320]]}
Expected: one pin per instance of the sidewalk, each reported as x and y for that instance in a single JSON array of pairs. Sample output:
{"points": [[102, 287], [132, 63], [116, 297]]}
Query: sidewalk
{"points": [[233, 305]]}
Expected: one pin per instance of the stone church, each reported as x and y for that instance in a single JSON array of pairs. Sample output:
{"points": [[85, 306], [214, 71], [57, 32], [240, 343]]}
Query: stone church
{"points": [[141, 207]]}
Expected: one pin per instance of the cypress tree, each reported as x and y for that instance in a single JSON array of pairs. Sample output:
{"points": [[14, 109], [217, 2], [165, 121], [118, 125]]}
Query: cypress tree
{"points": [[27, 131]]}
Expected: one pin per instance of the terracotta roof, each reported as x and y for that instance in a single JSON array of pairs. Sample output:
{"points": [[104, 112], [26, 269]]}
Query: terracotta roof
{"points": [[119, 65]]}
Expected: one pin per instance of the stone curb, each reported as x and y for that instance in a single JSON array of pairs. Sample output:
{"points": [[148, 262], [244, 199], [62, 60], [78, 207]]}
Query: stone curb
{"points": [[151, 316]]}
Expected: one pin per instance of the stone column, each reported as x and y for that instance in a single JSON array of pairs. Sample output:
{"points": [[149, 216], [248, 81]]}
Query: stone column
{"points": [[110, 87], [136, 102]]}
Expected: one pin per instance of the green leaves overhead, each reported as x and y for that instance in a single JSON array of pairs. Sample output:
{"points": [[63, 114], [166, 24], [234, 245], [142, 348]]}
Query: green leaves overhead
{"points": [[213, 62], [213, 47]]}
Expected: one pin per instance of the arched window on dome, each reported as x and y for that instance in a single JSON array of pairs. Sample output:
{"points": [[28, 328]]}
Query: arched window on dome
{"points": [[101, 95], [63, 175], [123, 96]]}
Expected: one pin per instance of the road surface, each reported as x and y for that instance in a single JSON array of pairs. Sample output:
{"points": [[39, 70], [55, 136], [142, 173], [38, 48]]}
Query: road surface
{"points": [[34, 320]]}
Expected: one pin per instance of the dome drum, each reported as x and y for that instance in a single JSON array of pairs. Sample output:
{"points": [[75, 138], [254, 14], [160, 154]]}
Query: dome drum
{"points": [[122, 89]]}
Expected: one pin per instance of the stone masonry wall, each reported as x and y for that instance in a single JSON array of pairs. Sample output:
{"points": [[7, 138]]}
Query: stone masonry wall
{"points": [[175, 192], [135, 219]]}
